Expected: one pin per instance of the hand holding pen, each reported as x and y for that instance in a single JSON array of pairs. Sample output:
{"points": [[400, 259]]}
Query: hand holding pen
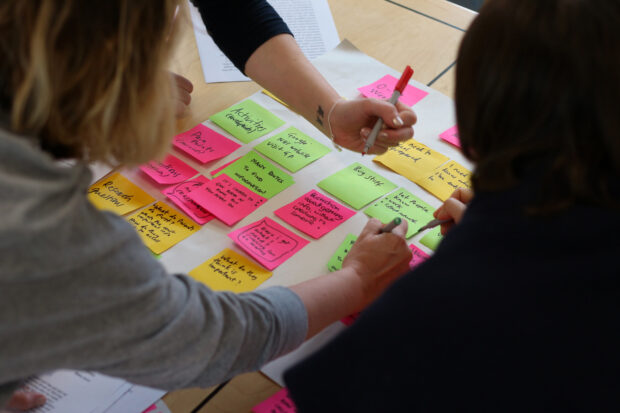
{"points": [[452, 210]]}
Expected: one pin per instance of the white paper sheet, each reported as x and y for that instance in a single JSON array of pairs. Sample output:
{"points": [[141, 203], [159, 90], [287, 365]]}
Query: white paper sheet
{"points": [[310, 21], [69, 391], [137, 399]]}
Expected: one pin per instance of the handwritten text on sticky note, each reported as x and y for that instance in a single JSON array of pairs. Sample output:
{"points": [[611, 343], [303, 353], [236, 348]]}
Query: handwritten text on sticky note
{"points": [[160, 226], [384, 87], [204, 144], [118, 194], [446, 179], [335, 262], [411, 159], [179, 194], [418, 256], [247, 121], [268, 242], [292, 149], [314, 214], [356, 185], [171, 171], [405, 205], [432, 238], [227, 199], [230, 271], [258, 174]]}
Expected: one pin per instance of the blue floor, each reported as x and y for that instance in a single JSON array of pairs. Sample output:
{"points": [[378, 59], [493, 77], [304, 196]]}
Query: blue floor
{"points": [[470, 4]]}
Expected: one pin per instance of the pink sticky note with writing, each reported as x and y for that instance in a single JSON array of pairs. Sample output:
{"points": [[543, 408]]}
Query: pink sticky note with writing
{"points": [[451, 136], [268, 242], [179, 195], [227, 199], [171, 171], [204, 144], [384, 87], [418, 257], [278, 403], [215, 171], [314, 214]]}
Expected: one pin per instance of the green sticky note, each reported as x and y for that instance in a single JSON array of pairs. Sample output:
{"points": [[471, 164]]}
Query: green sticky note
{"points": [[335, 262], [157, 256], [258, 174], [247, 121], [292, 149], [432, 238], [402, 203], [356, 185]]}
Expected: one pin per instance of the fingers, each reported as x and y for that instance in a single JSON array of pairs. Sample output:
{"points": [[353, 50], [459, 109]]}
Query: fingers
{"points": [[387, 138], [406, 114], [463, 194], [25, 400], [401, 229], [183, 83], [373, 226], [386, 111]]}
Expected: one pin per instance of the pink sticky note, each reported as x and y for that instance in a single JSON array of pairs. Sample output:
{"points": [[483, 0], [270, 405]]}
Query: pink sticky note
{"points": [[179, 195], [314, 214], [384, 87], [451, 136], [227, 199], [279, 402], [215, 171], [418, 257], [150, 409], [204, 144], [171, 171], [268, 242]]}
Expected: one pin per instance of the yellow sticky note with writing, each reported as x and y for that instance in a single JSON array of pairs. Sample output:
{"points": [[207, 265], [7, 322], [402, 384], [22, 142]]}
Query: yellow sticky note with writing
{"points": [[446, 179], [229, 271], [411, 159], [160, 226], [118, 194]]}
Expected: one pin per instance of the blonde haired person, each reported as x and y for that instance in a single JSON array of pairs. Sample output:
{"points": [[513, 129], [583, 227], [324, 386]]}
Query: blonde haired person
{"points": [[86, 80]]}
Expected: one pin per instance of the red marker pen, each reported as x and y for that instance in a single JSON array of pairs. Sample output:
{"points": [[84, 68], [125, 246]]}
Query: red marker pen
{"points": [[398, 90]]}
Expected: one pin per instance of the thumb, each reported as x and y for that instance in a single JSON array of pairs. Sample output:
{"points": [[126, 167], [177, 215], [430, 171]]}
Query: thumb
{"points": [[401, 229], [454, 209], [386, 111]]}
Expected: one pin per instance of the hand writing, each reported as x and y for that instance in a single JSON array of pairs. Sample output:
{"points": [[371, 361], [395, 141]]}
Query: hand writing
{"points": [[352, 120], [454, 208], [23, 400], [379, 258]]}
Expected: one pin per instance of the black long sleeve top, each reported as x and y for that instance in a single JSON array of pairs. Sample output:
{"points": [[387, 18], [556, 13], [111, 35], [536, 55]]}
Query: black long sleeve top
{"points": [[513, 313], [239, 27]]}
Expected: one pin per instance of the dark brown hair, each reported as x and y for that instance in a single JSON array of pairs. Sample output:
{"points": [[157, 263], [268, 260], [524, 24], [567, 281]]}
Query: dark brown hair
{"points": [[538, 81]]}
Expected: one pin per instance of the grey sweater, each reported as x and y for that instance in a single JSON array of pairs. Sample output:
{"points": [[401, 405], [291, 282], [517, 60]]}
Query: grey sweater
{"points": [[79, 290]]}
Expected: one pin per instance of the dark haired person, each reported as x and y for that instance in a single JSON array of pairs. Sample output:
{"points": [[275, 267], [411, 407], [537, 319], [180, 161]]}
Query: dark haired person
{"points": [[519, 309]]}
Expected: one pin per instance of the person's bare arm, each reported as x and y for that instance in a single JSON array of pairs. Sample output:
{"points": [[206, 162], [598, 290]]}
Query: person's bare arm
{"points": [[279, 66]]}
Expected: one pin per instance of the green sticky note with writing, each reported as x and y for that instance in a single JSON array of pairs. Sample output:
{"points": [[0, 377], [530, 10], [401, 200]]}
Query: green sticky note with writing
{"points": [[335, 262], [292, 149], [402, 203], [258, 174], [432, 238], [356, 185], [247, 121]]}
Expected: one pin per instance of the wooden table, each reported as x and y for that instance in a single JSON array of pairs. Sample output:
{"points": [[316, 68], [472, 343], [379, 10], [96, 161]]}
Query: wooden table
{"points": [[423, 33]]}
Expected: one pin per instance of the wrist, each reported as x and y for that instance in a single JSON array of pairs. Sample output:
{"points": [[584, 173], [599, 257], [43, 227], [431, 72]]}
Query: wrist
{"points": [[356, 289]]}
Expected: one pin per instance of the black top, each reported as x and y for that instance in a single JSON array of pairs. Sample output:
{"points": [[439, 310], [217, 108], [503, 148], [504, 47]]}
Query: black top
{"points": [[511, 314], [239, 27]]}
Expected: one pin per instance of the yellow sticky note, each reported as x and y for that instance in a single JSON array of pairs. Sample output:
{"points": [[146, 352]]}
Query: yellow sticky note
{"points": [[445, 179], [229, 271], [411, 159], [160, 226], [118, 194], [274, 97]]}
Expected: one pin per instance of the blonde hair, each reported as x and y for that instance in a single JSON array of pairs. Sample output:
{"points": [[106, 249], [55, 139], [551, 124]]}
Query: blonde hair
{"points": [[87, 77]]}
